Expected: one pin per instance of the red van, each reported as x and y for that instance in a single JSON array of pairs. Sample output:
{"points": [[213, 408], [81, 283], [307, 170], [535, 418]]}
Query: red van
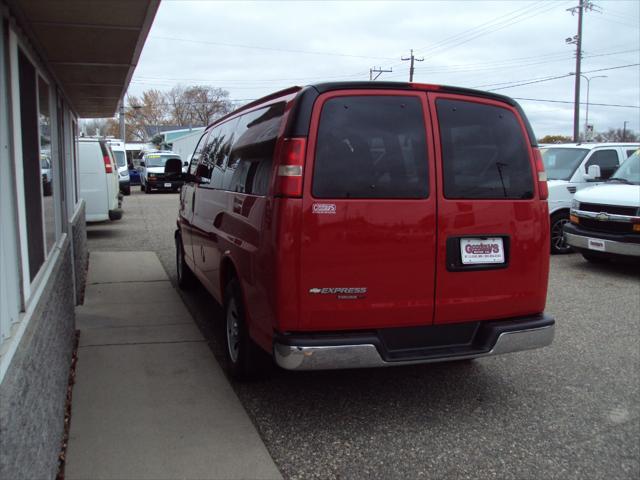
{"points": [[359, 224]]}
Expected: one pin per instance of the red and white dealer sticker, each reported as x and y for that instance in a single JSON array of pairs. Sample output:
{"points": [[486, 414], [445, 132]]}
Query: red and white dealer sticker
{"points": [[324, 208], [481, 250]]}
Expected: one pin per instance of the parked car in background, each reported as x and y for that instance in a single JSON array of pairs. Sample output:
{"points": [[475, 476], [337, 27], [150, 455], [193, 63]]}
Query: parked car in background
{"points": [[152, 172], [46, 172], [567, 167], [360, 224], [134, 154], [99, 186], [120, 154], [605, 219]]}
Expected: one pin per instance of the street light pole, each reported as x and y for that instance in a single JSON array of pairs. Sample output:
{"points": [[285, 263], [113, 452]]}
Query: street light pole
{"points": [[588, 79], [586, 120]]}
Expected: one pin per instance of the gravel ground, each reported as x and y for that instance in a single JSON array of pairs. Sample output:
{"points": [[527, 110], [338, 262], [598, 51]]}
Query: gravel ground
{"points": [[567, 411]]}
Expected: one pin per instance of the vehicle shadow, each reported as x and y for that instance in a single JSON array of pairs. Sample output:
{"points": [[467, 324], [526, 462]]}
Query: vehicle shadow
{"points": [[103, 232], [622, 269]]}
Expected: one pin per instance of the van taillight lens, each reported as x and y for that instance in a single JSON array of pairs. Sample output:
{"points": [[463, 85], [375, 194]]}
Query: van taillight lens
{"points": [[542, 175], [290, 168], [108, 168]]}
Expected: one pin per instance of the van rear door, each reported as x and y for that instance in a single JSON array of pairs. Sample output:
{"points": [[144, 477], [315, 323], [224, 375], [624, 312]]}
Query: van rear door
{"points": [[493, 229], [369, 213]]}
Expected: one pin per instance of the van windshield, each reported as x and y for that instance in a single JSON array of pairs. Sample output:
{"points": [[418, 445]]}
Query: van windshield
{"points": [[155, 160], [629, 171], [561, 163]]}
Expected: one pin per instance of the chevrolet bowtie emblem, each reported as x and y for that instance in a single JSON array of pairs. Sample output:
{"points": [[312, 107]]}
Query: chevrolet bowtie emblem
{"points": [[602, 217]]}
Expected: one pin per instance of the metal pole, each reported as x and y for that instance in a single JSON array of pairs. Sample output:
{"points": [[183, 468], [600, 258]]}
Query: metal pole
{"points": [[624, 131], [576, 105], [122, 126], [586, 120]]}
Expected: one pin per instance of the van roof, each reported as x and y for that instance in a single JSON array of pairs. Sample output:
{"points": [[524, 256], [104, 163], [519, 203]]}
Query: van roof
{"points": [[591, 145], [300, 116]]}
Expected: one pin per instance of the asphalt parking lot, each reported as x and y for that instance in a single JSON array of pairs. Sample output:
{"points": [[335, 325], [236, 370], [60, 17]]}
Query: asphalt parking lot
{"points": [[568, 411]]}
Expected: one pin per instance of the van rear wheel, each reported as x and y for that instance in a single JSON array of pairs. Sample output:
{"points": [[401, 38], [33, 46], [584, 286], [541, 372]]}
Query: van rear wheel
{"points": [[241, 353], [186, 278]]}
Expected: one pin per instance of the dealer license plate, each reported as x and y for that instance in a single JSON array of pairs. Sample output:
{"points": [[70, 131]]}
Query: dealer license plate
{"points": [[475, 251], [595, 244], [167, 185]]}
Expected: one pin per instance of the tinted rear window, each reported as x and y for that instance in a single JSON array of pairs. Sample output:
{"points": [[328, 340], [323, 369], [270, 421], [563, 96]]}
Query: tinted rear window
{"points": [[371, 147], [484, 152]]}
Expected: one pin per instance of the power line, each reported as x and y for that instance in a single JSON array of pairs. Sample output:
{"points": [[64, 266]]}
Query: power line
{"points": [[546, 79], [272, 49], [571, 103]]}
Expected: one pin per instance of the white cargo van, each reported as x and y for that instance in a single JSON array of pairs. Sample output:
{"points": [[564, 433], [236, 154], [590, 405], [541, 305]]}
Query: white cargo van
{"points": [[567, 167], [99, 181], [605, 220]]}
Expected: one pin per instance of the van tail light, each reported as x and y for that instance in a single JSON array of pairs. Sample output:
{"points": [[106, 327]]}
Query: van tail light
{"points": [[108, 168], [290, 168], [542, 175]]}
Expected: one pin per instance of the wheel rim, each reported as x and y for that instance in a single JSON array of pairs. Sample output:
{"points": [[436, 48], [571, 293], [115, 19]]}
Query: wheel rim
{"points": [[233, 331], [557, 236]]}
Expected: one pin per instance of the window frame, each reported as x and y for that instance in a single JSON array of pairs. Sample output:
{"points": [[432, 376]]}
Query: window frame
{"points": [[433, 99], [312, 141]]}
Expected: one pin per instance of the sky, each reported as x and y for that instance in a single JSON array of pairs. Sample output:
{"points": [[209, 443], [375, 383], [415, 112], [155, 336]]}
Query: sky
{"points": [[514, 48]]}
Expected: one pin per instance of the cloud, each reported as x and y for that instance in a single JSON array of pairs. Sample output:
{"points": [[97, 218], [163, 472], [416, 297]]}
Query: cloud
{"points": [[468, 43]]}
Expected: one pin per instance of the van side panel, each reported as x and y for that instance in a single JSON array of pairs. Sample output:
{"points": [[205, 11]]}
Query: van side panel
{"points": [[93, 181], [287, 228], [516, 288]]}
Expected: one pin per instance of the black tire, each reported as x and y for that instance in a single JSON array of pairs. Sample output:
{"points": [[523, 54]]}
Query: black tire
{"points": [[594, 258], [147, 189], [141, 187], [241, 353], [186, 278], [126, 191], [558, 242]]}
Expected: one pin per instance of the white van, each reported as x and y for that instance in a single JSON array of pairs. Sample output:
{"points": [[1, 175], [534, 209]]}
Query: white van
{"points": [[120, 155], [567, 167], [605, 220], [99, 180]]}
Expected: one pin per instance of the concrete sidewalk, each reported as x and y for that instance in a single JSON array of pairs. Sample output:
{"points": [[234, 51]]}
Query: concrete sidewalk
{"points": [[150, 400]]}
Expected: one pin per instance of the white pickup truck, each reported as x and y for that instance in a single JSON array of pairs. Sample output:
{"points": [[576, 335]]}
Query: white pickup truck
{"points": [[605, 220], [567, 167]]}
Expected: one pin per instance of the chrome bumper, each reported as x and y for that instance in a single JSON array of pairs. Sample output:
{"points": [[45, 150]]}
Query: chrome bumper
{"points": [[291, 357], [610, 246]]}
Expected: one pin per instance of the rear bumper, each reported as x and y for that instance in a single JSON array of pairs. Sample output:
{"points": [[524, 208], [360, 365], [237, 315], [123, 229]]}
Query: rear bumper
{"points": [[373, 349], [161, 185]]}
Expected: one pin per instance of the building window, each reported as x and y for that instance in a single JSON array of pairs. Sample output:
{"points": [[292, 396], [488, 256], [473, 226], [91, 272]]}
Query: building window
{"points": [[31, 168], [46, 164]]}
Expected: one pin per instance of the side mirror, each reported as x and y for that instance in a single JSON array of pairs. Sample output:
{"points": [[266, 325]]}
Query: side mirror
{"points": [[185, 164], [142, 164], [593, 173]]}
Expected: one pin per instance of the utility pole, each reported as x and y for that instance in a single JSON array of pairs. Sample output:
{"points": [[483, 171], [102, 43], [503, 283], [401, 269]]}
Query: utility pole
{"points": [[577, 40], [122, 127], [624, 131], [379, 71], [412, 59]]}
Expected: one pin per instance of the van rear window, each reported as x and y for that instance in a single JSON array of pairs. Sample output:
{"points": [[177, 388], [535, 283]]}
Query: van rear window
{"points": [[371, 147], [484, 152]]}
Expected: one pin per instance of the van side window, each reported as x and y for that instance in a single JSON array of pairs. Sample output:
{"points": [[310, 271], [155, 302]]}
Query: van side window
{"points": [[484, 152], [371, 147], [195, 158], [251, 158], [606, 159]]}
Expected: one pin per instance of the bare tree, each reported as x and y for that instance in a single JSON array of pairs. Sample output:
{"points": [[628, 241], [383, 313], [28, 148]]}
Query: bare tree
{"points": [[616, 135]]}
